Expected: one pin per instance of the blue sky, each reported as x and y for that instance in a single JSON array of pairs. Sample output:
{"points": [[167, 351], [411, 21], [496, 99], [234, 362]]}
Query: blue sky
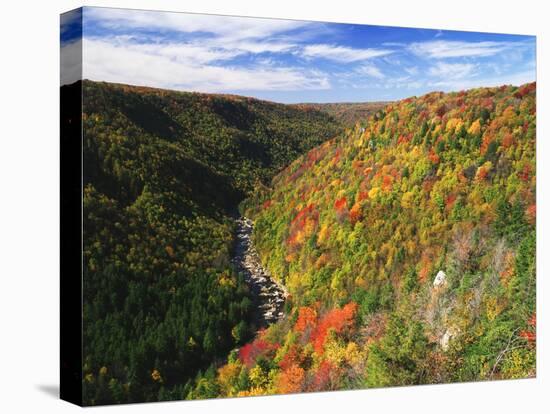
{"points": [[287, 60]]}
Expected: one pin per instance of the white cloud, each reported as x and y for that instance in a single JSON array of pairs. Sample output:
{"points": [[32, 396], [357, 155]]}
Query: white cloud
{"points": [[414, 85], [404, 82], [515, 79], [452, 49], [242, 46], [181, 52], [370, 70], [197, 50], [341, 53], [230, 27], [394, 44], [452, 70], [147, 65]]}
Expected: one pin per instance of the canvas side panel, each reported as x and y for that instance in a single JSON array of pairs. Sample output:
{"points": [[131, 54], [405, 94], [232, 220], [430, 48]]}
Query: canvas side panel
{"points": [[71, 207]]}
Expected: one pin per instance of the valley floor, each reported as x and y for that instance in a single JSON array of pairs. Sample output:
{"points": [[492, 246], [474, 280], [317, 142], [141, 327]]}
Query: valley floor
{"points": [[268, 295]]}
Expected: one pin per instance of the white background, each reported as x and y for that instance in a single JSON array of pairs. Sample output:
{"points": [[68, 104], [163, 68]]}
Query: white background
{"points": [[29, 207]]}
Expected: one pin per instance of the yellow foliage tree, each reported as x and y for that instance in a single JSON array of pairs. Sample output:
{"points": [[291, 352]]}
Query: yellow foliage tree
{"points": [[407, 199], [475, 128]]}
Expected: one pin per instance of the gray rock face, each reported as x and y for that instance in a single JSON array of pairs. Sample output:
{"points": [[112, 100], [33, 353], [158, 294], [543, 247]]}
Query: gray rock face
{"points": [[268, 296], [440, 279], [446, 338]]}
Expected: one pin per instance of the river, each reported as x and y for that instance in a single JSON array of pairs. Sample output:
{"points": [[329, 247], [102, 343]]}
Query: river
{"points": [[268, 296]]}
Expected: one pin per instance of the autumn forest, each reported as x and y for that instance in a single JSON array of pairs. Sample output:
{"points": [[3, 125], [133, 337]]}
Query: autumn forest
{"points": [[235, 246]]}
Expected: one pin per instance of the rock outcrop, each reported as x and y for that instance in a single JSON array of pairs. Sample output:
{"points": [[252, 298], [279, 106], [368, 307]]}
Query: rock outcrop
{"points": [[449, 334], [440, 279]]}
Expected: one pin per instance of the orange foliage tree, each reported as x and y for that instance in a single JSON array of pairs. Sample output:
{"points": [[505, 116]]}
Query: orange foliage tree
{"points": [[337, 320]]}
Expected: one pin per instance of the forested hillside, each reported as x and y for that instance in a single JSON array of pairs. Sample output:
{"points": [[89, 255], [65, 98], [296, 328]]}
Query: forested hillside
{"points": [[408, 248], [348, 113], [163, 174], [406, 241]]}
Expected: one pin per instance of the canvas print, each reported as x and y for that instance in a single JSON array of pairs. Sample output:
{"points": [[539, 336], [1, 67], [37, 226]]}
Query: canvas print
{"points": [[280, 206]]}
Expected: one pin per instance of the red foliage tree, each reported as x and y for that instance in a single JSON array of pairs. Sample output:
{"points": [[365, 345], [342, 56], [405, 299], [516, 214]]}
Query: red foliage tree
{"points": [[341, 207], [363, 195], [530, 334], [488, 103], [507, 140], [482, 173], [325, 378], [387, 182], [341, 203], [300, 218], [524, 90], [337, 320], [294, 356], [433, 157], [251, 351], [450, 201], [525, 173], [307, 318], [307, 215], [403, 139]]}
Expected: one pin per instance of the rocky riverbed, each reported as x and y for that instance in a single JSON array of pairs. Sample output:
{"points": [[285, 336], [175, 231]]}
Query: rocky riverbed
{"points": [[268, 296]]}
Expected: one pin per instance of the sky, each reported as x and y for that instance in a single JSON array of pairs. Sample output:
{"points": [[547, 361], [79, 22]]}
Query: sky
{"points": [[286, 61]]}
